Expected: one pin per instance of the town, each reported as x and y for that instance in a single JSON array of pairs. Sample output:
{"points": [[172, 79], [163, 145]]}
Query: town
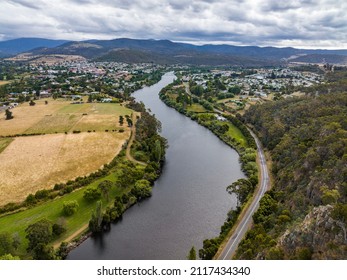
{"points": [[82, 81]]}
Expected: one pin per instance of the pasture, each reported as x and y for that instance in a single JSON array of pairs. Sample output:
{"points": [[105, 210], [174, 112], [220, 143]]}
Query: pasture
{"points": [[60, 116], [31, 163]]}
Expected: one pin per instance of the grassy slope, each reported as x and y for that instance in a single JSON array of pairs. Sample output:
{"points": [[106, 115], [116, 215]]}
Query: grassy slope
{"points": [[196, 108], [237, 134]]}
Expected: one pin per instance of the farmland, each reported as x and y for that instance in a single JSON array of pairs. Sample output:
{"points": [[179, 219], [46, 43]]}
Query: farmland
{"points": [[31, 163], [59, 116], [52, 210]]}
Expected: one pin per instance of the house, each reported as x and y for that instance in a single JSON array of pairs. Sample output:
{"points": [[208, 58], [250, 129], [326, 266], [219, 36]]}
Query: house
{"points": [[220, 118], [45, 94], [74, 97]]}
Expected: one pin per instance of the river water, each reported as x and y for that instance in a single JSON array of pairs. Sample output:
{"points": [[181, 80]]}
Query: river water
{"points": [[189, 201]]}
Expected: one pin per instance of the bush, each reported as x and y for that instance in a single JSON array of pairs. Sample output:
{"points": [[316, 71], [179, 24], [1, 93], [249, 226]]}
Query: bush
{"points": [[41, 194], [142, 189], [92, 193], [70, 207], [59, 227], [30, 200]]}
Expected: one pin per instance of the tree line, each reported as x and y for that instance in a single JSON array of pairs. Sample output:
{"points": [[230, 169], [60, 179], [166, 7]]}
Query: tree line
{"points": [[307, 140]]}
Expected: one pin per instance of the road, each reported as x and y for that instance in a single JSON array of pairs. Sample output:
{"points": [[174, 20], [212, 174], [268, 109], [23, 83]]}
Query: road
{"points": [[244, 224], [132, 138]]}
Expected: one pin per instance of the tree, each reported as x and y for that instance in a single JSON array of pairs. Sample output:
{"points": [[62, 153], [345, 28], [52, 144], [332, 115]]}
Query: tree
{"points": [[59, 227], [39, 235], [157, 152], [129, 121], [96, 219], [210, 248], [241, 188], [16, 240], [8, 114], [192, 254], [121, 120], [329, 196], [91, 193], [39, 232], [105, 188], [6, 243], [9, 257], [142, 189], [70, 207]]}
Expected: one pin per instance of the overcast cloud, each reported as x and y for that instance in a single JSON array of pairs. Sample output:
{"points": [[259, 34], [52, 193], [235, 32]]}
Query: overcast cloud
{"points": [[296, 23]]}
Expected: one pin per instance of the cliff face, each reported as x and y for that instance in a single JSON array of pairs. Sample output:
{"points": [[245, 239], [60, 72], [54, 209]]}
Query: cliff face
{"points": [[318, 236]]}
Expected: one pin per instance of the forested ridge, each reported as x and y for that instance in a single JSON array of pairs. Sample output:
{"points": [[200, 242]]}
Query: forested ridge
{"points": [[304, 216]]}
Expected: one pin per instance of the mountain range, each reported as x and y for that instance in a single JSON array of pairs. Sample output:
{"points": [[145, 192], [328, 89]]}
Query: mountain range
{"points": [[168, 52]]}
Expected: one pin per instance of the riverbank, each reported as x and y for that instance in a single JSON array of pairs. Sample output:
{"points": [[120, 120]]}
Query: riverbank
{"points": [[189, 199], [233, 133], [121, 176]]}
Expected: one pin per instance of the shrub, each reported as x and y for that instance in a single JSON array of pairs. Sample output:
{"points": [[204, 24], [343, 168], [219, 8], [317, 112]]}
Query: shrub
{"points": [[59, 227], [30, 200], [41, 194], [70, 207], [92, 193], [142, 189]]}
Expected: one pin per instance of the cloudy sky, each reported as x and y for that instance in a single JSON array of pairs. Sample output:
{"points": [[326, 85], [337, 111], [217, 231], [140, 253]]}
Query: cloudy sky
{"points": [[296, 23]]}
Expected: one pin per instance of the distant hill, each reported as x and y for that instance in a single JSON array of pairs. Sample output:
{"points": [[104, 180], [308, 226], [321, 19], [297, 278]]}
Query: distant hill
{"points": [[168, 52], [322, 58], [15, 46]]}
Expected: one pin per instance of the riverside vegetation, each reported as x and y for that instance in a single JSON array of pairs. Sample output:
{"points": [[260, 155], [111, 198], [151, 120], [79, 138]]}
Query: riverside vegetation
{"points": [[304, 216], [35, 227], [103, 197], [231, 131]]}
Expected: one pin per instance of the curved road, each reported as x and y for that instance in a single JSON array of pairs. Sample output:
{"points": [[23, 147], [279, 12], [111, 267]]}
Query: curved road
{"points": [[246, 221]]}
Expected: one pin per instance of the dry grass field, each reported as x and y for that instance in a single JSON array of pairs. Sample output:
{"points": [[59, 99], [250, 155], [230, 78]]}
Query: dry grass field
{"points": [[4, 83], [4, 142], [26, 116], [60, 116], [32, 163]]}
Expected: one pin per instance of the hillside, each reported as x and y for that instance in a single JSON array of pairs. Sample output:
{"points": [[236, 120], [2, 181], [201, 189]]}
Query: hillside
{"points": [[15, 46], [304, 216], [167, 52]]}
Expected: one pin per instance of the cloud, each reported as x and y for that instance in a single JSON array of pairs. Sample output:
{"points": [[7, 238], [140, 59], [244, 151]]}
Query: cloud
{"points": [[297, 23]]}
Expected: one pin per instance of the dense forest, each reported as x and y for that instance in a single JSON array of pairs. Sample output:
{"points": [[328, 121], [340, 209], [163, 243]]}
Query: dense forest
{"points": [[304, 215]]}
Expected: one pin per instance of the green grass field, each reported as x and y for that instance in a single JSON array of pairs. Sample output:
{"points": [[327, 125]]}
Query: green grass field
{"points": [[233, 131], [75, 108], [52, 210], [111, 108], [4, 142], [237, 134], [196, 108]]}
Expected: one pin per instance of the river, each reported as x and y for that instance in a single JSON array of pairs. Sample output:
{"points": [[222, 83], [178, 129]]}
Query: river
{"points": [[189, 201]]}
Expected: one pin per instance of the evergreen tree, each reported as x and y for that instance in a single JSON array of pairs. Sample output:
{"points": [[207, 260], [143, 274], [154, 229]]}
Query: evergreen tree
{"points": [[192, 254]]}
